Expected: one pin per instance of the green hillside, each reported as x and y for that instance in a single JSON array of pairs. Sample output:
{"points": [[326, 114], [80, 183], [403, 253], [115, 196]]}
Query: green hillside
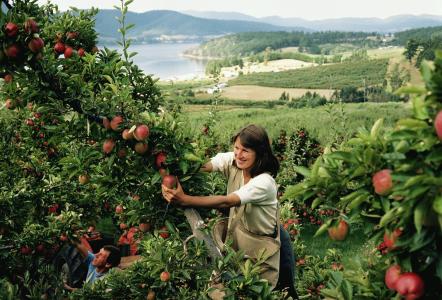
{"points": [[248, 43], [336, 76]]}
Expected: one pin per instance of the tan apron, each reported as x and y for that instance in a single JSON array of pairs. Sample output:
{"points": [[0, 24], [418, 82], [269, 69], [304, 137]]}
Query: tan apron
{"points": [[251, 243]]}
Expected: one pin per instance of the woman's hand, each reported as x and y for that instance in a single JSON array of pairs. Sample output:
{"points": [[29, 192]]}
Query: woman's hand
{"points": [[173, 195]]}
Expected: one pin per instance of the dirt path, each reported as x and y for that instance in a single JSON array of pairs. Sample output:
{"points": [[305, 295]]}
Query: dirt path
{"points": [[253, 92]]}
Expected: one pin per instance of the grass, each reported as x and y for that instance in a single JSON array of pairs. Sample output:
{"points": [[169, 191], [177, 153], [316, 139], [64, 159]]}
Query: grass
{"points": [[321, 122], [353, 245], [336, 76]]}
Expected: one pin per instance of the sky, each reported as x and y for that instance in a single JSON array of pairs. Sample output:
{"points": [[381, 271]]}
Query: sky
{"points": [[306, 9]]}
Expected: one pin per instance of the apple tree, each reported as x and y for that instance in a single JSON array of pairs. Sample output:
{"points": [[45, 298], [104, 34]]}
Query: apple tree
{"points": [[390, 182]]}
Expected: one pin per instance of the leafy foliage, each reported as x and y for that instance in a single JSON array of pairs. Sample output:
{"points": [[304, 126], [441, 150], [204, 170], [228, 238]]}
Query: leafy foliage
{"points": [[343, 178]]}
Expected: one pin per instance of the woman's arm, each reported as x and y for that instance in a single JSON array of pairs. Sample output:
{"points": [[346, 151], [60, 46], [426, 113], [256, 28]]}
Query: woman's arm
{"points": [[178, 196]]}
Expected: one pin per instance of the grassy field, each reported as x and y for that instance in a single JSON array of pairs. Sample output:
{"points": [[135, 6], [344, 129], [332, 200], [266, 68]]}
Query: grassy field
{"points": [[253, 92], [354, 245], [337, 76], [321, 122]]}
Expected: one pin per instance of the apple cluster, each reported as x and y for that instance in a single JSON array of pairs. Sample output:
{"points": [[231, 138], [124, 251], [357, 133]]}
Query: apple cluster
{"points": [[67, 44], [21, 40]]}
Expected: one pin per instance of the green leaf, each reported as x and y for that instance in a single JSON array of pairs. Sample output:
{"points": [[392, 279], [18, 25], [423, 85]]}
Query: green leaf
{"points": [[419, 214], [347, 290], [316, 202], [415, 180], [437, 205], [322, 229], [156, 178], [420, 108], [293, 191], [303, 171], [341, 155], [184, 166], [358, 201], [323, 173], [439, 268], [130, 26], [192, 157], [108, 78], [435, 157], [412, 123], [256, 288], [426, 71], [376, 128], [388, 217]]}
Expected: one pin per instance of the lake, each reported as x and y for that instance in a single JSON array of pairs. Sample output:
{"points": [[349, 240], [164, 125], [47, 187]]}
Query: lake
{"points": [[165, 61]]}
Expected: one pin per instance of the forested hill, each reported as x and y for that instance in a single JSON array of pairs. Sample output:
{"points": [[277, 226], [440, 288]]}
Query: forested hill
{"points": [[418, 34], [248, 43], [391, 24], [152, 24]]}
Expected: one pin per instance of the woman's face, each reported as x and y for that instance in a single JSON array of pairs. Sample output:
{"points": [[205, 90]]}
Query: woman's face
{"points": [[244, 157]]}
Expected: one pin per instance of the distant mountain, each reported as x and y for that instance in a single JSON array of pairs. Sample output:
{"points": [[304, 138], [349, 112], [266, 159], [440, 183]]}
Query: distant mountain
{"points": [[391, 24], [164, 25], [219, 15]]}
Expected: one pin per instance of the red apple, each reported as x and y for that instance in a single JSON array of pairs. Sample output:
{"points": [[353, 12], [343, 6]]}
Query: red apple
{"points": [[382, 182], [13, 51], [170, 181], [123, 226], [127, 135], [163, 172], [160, 159], [119, 209], [390, 238], [63, 237], [116, 123], [164, 233], [25, 250], [71, 35], [164, 276], [144, 227], [141, 132], [36, 44], [438, 125], [106, 123], [141, 148], [150, 295], [338, 232], [81, 52], [59, 48], [83, 178], [68, 52], [53, 208], [136, 197], [31, 26], [8, 78], [9, 104], [40, 248], [11, 29], [108, 146], [122, 153], [391, 276], [30, 122], [410, 285]]}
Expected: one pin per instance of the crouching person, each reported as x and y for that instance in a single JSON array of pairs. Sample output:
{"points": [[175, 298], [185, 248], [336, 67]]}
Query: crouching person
{"points": [[99, 264]]}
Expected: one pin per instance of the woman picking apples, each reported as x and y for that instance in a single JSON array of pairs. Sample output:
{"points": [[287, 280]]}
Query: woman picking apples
{"points": [[253, 223]]}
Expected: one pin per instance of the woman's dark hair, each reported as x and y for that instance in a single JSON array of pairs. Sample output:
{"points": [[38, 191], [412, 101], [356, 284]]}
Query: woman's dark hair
{"points": [[114, 257], [255, 137]]}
